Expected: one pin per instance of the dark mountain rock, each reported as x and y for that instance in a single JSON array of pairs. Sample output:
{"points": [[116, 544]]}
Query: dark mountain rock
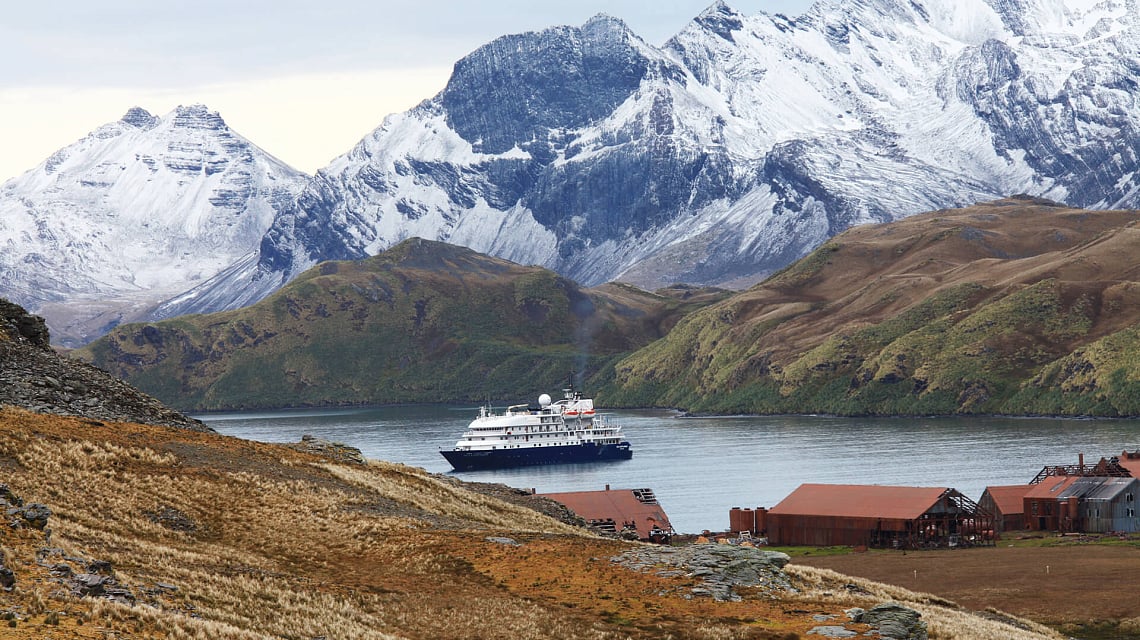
{"points": [[521, 88], [742, 144], [36, 378]]}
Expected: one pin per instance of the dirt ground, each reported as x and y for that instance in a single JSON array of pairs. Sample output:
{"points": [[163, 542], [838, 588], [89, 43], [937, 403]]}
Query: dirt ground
{"points": [[1066, 587]]}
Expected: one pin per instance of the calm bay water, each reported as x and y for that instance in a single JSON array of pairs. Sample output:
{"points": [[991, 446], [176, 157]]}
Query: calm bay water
{"points": [[701, 467]]}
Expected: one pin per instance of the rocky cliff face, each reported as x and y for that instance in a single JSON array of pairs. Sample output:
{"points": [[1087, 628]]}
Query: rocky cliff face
{"points": [[136, 212], [36, 378], [740, 144]]}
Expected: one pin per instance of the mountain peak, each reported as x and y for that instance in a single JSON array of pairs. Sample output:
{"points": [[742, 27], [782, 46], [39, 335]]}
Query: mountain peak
{"points": [[605, 19], [198, 116], [139, 118], [140, 209], [721, 19], [720, 7], [518, 89]]}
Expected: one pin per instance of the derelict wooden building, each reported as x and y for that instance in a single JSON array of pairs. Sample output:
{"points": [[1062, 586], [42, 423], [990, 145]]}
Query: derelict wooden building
{"points": [[1007, 504], [623, 511], [878, 516], [1083, 503]]}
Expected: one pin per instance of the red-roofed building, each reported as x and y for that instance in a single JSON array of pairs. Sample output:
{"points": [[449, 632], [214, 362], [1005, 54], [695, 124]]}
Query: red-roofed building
{"points": [[1007, 504], [1051, 504], [1130, 460], [878, 516], [1090, 504], [622, 511]]}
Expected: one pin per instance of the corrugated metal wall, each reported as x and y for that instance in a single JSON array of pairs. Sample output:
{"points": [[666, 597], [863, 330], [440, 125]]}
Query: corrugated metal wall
{"points": [[827, 531], [1106, 516]]}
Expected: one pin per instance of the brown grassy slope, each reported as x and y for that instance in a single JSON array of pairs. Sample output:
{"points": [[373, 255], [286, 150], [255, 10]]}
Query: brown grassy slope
{"points": [[222, 538], [1065, 585], [875, 272], [986, 296]]}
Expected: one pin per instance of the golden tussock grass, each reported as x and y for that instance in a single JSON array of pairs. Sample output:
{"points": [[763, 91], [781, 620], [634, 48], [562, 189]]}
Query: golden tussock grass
{"points": [[260, 541], [945, 620]]}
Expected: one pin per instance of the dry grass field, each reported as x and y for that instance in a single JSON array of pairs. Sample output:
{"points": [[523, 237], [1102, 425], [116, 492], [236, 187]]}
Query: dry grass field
{"points": [[1078, 587], [214, 537]]}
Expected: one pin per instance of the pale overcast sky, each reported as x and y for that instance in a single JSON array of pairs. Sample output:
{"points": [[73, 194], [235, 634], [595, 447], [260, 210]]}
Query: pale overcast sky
{"points": [[302, 79]]}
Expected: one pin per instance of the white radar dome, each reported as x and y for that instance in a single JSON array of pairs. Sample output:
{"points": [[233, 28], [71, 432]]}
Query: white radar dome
{"points": [[544, 400]]}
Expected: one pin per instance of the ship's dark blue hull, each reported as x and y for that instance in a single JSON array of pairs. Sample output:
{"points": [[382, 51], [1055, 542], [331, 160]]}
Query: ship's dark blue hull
{"points": [[505, 458]]}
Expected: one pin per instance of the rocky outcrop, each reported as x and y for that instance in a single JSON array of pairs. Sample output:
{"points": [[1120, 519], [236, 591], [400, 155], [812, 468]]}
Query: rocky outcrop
{"points": [[892, 621], [36, 378], [720, 567], [335, 451], [21, 326]]}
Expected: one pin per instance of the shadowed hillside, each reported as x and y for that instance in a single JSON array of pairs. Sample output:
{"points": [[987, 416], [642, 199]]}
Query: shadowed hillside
{"points": [[422, 322], [1019, 306]]}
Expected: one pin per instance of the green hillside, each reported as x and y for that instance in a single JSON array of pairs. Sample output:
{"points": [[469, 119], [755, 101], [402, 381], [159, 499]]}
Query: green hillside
{"points": [[422, 322], [1014, 307]]}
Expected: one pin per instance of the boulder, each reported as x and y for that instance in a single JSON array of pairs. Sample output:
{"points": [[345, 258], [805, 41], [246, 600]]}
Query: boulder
{"points": [[101, 567], [7, 498], [334, 451], [35, 514], [894, 622], [90, 584]]}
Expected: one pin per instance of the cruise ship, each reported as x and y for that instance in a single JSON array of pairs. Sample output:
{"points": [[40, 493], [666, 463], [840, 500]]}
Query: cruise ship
{"points": [[565, 431]]}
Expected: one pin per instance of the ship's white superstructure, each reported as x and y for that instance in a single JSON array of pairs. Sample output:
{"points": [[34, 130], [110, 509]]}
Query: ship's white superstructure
{"points": [[569, 430]]}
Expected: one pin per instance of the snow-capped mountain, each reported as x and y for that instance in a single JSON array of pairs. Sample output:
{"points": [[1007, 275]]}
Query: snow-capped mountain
{"points": [[731, 150], [740, 144], [137, 211]]}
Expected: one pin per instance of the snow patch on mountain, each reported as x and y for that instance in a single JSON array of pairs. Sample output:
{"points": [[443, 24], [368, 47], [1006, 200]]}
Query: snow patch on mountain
{"points": [[735, 148], [743, 142], [138, 210]]}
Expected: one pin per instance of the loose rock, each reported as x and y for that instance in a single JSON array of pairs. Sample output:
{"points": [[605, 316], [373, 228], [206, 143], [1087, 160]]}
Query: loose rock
{"points": [[832, 631], [335, 451], [895, 622], [35, 514], [36, 378], [720, 567]]}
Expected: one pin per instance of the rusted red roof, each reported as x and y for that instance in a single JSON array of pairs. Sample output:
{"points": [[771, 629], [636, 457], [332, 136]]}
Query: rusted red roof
{"points": [[620, 505], [1009, 498], [1052, 487], [859, 501], [1131, 460]]}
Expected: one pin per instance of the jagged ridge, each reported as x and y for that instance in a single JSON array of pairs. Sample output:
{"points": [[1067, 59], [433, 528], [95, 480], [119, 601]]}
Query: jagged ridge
{"points": [[741, 144]]}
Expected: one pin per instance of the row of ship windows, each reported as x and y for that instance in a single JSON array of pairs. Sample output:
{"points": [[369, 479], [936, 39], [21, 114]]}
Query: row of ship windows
{"points": [[552, 435]]}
